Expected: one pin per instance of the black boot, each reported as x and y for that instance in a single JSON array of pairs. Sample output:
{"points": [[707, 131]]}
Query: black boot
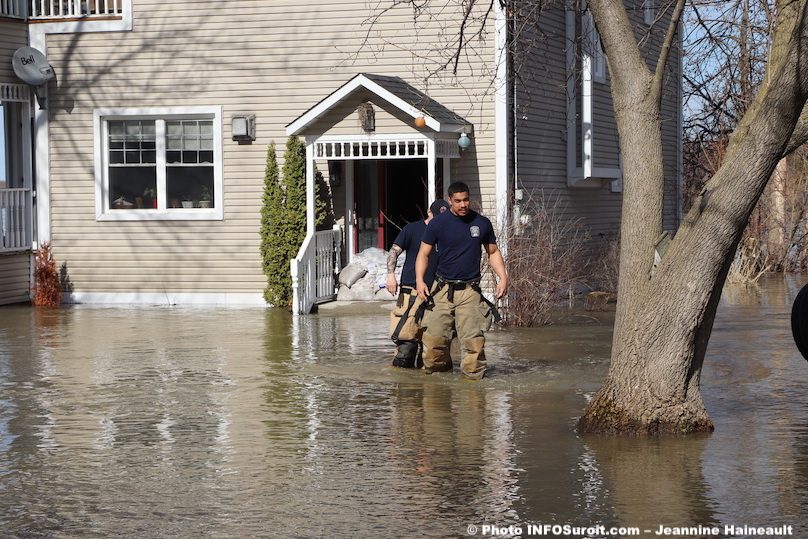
{"points": [[407, 354]]}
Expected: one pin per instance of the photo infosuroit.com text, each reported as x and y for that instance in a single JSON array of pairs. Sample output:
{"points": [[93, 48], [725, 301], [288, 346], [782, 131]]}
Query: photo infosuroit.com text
{"points": [[600, 530]]}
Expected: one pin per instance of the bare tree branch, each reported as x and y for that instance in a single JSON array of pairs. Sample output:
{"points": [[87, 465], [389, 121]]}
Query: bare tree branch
{"points": [[624, 57], [664, 53], [800, 134]]}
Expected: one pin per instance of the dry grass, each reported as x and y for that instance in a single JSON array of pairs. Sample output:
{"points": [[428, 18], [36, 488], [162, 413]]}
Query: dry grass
{"points": [[547, 259], [47, 289]]}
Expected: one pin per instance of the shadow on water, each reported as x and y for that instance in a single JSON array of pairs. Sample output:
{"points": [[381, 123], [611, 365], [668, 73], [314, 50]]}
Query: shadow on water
{"points": [[165, 421]]}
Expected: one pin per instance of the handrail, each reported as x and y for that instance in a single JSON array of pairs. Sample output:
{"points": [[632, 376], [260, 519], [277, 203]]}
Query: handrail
{"points": [[15, 220], [314, 270]]}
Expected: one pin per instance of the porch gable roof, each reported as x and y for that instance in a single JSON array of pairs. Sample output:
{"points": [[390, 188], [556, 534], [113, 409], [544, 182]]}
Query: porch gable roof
{"points": [[395, 91]]}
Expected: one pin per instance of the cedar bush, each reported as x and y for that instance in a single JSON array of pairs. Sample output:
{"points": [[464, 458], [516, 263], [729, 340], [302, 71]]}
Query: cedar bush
{"points": [[47, 289], [283, 219]]}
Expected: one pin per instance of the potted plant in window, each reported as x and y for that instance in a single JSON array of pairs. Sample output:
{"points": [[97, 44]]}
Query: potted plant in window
{"points": [[187, 201], [205, 197], [150, 197]]}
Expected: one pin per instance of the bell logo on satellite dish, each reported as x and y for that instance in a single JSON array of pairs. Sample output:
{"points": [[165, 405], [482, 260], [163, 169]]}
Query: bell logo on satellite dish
{"points": [[31, 66]]}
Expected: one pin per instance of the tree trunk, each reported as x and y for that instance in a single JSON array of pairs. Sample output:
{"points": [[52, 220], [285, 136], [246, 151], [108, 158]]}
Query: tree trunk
{"points": [[664, 320]]}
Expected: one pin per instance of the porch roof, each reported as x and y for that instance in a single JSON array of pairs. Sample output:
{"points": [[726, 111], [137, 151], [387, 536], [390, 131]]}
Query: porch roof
{"points": [[395, 91]]}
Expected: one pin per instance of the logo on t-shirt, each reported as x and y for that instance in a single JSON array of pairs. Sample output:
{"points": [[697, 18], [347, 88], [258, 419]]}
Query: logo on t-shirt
{"points": [[475, 231]]}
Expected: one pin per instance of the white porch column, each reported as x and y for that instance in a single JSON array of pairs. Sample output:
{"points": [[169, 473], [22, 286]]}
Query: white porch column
{"points": [[349, 209], [430, 166], [310, 200], [28, 173]]}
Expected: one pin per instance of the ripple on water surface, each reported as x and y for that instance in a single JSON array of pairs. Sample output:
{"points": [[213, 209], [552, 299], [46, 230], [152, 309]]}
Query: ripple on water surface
{"points": [[157, 422]]}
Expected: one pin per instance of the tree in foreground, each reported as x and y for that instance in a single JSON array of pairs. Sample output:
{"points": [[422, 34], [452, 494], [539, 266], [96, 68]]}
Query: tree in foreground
{"points": [[664, 319]]}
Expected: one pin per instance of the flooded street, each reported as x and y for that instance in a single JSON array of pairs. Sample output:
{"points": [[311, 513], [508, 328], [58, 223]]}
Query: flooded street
{"points": [[156, 422]]}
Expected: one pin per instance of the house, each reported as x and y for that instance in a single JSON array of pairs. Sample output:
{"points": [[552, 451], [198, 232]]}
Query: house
{"points": [[149, 148], [16, 171]]}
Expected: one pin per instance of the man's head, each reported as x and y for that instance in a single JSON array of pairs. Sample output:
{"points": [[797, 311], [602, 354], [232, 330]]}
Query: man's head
{"points": [[459, 201], [436, 208]]}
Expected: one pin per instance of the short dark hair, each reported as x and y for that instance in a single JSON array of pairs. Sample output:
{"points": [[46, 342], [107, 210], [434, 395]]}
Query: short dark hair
{"points": [[457, 187]]}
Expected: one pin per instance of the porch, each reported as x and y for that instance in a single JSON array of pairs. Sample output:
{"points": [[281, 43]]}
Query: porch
{"points": [[45, 10], [400, 160], [16, 193]]}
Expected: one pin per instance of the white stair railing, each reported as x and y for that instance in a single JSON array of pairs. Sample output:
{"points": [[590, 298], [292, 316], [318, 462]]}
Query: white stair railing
{"points": [[15, 220], [314, 270]]}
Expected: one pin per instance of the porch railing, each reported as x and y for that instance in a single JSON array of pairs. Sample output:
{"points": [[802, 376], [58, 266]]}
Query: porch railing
{"points": [[15, 220], [13, 8], [314, 270], [71, 9]]}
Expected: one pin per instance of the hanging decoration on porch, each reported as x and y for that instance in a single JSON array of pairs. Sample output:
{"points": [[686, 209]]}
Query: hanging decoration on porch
{"points": [[367, 117], [464, 141], [420, 121]]}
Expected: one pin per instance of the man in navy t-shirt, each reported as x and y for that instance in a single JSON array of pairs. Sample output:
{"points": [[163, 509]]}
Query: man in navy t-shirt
{"points": [[459, 235], [406, 334]]}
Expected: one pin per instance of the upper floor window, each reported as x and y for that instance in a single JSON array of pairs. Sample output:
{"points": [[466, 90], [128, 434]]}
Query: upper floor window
{"points": [[649, 13], [159, 164], [593, 48]]}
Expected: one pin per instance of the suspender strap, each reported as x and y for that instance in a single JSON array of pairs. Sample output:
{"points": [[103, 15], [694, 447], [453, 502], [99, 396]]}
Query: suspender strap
{"points": [[403, 319], [494, 311], [430, 301]]}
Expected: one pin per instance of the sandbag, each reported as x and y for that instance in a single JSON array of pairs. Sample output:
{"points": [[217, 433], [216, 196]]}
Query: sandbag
{"points": [[351, 273]]}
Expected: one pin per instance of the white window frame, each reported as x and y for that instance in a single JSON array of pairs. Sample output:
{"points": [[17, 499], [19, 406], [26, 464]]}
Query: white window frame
{"points": [[649, 13], [162, 213], [594, 58]]}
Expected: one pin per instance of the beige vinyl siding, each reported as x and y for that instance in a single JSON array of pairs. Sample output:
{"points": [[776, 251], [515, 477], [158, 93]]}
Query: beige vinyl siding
{"points": [[15, 278], [13, 35], [272, 59]]}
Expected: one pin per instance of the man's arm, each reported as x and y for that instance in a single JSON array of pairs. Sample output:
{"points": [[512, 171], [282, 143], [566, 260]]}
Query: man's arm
{"points": [[392, 258], [497, 264], [421, 263]]}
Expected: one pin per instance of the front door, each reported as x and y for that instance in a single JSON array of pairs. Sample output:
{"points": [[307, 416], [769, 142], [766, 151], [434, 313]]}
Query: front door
{"points": [[388, 194]]}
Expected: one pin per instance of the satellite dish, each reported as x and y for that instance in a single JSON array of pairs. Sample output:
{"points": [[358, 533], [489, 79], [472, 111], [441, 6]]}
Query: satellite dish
{"points": [[31, 66]]}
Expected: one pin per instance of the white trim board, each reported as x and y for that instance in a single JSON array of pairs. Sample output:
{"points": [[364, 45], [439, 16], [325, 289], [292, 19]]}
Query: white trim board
{"points": [[361, 81], [205, 299]]}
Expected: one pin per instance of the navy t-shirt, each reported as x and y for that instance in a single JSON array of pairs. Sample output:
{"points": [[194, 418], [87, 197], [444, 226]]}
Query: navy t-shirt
{"points": [[409, 239], [459, 241]]}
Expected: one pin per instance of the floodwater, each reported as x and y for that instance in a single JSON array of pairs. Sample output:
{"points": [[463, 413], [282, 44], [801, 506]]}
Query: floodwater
{"points": [[158, 422]]}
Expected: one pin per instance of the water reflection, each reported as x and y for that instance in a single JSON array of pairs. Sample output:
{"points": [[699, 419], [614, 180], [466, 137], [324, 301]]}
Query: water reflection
{"points": [[156, 422]]}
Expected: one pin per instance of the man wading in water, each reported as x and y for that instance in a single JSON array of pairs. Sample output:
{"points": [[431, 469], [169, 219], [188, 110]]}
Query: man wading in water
{"points": [[404, 331], [459, 235]]}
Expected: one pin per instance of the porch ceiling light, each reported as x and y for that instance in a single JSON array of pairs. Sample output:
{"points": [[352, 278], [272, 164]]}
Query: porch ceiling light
{"points": [[243, 127], [464, 141]]}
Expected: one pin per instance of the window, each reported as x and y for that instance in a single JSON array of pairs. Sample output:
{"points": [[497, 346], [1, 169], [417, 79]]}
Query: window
{"points": [[649, 12], [162, 164], [593, 49]]}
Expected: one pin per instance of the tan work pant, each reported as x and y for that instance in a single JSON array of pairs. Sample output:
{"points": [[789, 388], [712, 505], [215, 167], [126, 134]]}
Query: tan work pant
{"points": [[410, 331], [469, 314]]}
